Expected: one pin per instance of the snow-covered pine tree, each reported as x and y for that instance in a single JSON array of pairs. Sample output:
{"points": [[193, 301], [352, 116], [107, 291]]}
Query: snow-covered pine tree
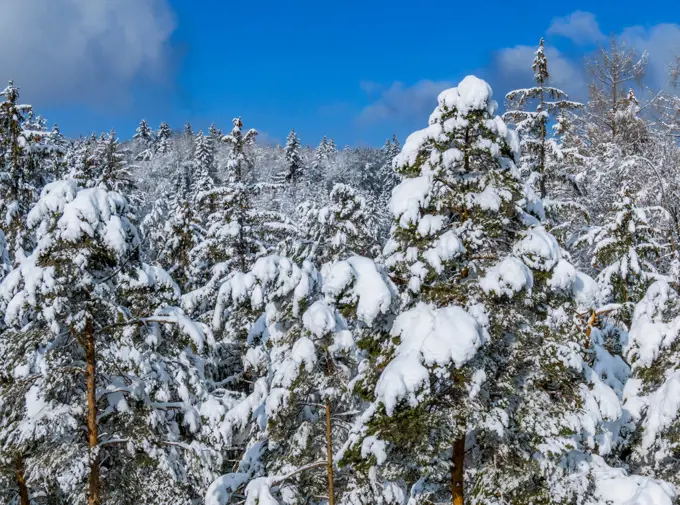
{"points": [[108, 377], [344, 227], [455, 405], [301, 357]]}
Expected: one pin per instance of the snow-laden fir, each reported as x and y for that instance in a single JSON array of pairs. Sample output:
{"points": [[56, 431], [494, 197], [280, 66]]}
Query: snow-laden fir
{"points": [[487, 315]]}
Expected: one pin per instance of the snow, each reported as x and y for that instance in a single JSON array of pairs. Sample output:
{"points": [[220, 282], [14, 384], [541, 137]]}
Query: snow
{"points": [[538, 249], [507, 278], [408, 198], [319, 319], [663, 408], [357, 280], [414, 144], [428, 337], [614, 486], [471, 94], [403, 379], [586, 290], [447, 247], [371, 446], [303, 353], [649, 334], [270, 277], [490, 199], [97, 213], [430, 225]]}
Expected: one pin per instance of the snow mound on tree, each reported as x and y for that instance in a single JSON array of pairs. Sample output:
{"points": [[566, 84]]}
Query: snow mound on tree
{"points": [[614, 486], [358, 281], [538, 249], [649, 333], [409, 197], [507, 278], [472, 93], [429, 337], [270, 277], [92, 213], [319, 319]]}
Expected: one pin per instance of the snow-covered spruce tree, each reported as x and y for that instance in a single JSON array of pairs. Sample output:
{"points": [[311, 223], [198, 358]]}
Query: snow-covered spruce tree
{"points": [[144, 140], [182, 232], [143, 133], [20, 172], [386, 174], [236, 233], [342, 228], [107, 376], [540, 153], [214, 134], [294, 167], [80, 163], [480, 384], [5, 262], [188, 130], [204, 165], [163, 138], [112, 170], [624, 251], [324, 155], [164, 131]]}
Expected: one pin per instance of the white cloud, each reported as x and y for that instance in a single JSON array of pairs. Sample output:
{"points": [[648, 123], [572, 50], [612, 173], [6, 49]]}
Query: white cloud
{"points": [[89, 50], [662, 42], [512, 68], [402, 104], [581, 27]]}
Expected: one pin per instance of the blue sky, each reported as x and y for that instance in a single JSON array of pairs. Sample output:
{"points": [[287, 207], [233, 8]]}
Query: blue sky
{"points": [[355, 71]]}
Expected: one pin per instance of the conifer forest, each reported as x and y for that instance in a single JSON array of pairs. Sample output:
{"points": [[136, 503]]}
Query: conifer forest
{"points": [[483, 313]]}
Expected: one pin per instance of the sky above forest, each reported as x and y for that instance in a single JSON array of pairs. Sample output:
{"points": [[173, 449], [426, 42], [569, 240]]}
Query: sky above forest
{"points": [[354, 71]]}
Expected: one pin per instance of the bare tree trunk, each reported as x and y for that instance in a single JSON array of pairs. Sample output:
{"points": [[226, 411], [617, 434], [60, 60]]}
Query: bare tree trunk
{"points": [[21, 480], [329, 454], [92, 427], [457, 468]]}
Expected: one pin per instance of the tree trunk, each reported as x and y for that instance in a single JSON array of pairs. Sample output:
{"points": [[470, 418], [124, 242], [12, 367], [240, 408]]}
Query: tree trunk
{"points": [[21, 480], [329, 454], [457, 467], [92, 428]]}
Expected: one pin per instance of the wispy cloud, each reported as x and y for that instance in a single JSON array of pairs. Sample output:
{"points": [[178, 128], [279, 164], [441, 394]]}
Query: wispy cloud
{"points": [[403, 104], [579, 26]]}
